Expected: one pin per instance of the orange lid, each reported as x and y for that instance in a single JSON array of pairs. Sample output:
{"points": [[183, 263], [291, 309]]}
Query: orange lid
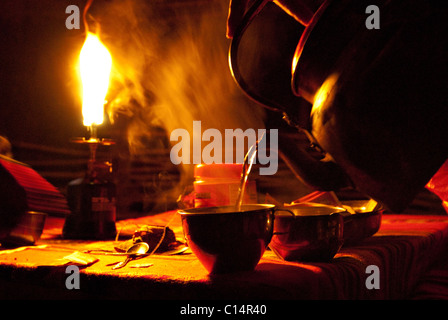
{"points": [[218, 170]]}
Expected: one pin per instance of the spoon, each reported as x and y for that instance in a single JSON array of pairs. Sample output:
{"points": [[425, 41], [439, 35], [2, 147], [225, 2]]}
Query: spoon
{"points": [[135, 250]]}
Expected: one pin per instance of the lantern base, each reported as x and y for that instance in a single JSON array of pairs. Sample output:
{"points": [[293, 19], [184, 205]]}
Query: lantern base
{"points": [[93, 211]]}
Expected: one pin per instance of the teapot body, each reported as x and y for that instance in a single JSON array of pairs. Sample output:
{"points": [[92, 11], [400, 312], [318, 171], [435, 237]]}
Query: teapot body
{"points": [[379, 96], [380, 111]]}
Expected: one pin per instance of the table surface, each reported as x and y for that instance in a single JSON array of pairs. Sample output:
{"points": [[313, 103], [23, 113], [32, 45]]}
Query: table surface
{"points": [[405, 249]]}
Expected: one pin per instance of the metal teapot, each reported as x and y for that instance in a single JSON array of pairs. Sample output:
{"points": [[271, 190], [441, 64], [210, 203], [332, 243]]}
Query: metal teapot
{"points": [[372, 100]]}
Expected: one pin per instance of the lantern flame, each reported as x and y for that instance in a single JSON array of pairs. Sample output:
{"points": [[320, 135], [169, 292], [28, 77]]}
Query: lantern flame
{"points": [[95, 64]]}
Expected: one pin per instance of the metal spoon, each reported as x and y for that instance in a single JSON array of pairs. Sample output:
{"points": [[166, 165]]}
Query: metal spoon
{"points": [[135, 250]]}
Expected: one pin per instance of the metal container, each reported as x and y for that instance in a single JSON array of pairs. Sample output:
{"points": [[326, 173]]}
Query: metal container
{"points": [[27, 231], [372, 100], [92, 200], [225, 240], [309, 232], [363, 222]]}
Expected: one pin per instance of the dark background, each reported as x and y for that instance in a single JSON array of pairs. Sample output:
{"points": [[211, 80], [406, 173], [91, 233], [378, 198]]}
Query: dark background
{"points": [[38, 85]]}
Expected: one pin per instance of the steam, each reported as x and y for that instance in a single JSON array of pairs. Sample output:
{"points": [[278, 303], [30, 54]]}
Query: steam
{"points": [[171, 68]]}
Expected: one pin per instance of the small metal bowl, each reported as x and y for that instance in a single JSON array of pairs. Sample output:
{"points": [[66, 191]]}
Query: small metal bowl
{"points": [[27, 231], [364, 220], [309, 232], [227, 241]]}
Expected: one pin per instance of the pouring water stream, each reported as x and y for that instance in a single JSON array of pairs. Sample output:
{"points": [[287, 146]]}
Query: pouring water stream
{"points": [[249, 160]]}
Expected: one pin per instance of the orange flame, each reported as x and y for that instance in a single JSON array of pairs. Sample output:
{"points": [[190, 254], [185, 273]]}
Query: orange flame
{"points": [[95, 64]]}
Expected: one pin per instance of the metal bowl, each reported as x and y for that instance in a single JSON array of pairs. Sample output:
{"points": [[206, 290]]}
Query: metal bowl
{"points": [[227, 241], [27, 231], [364, 220], [310, 232]]}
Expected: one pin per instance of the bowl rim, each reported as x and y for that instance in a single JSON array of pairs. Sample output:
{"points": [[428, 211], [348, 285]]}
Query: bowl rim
{"points": [[246, 208], [310, 205]]}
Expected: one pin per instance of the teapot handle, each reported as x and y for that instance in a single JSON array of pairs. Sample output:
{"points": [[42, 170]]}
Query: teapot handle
{"points": [[319, 174]]}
